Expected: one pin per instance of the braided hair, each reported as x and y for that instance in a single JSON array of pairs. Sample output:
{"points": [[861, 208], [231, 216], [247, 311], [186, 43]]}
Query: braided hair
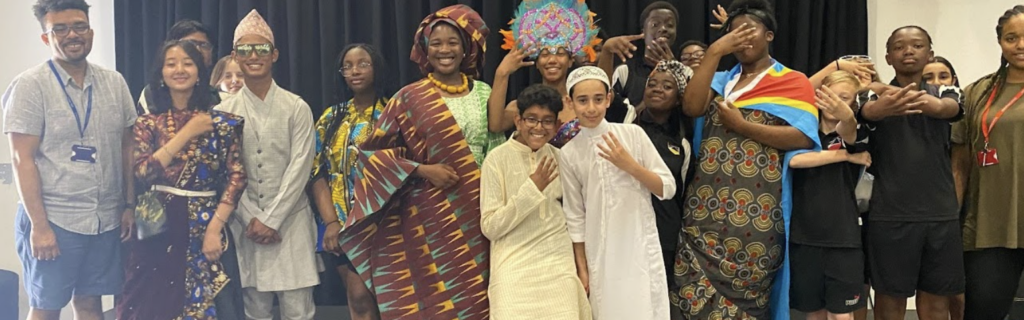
{"points": [[1004, 66]]}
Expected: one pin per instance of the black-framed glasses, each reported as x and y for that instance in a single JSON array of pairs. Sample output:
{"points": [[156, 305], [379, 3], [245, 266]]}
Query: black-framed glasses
{"points": [[694, 55], [62, 30], [201, 45], [262, 50], [546, 123], [348, 68]]}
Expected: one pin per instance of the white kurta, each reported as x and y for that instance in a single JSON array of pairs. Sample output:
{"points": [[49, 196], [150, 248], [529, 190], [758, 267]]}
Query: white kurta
{"points": [[611, 212], [277, 151], [533, 271]]}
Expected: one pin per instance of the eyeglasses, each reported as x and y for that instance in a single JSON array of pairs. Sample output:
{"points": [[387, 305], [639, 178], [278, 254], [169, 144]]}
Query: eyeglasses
{"points": [[201, 45], [62, 30], [546, 123], [262, 50], [694, 55], [348, 68]]}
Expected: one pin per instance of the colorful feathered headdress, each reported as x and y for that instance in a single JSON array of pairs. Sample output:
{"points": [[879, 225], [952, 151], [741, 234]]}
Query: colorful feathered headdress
{"points": [[554, 24]]}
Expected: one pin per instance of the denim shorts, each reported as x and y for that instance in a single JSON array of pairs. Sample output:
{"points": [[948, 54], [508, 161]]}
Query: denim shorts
{"points": [[88, 265]]}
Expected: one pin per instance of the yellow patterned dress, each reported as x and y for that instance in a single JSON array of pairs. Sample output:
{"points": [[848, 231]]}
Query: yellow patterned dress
{"points": [[339, 131]]}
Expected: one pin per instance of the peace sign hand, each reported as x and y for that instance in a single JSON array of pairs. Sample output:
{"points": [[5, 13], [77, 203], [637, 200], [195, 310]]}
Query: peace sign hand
{"points": [[829, 102], [614, 152], [721, 15], [515, 60]]}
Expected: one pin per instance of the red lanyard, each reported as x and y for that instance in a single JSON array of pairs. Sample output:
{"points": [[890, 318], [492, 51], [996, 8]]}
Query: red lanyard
{"points": [[987, 127]]}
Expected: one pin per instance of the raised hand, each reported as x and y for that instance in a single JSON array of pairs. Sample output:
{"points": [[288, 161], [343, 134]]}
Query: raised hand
{"points": [[859, 69], [515, 60], [659, 50], [721, 15], [621, 46], [546, 172], [735, 40], [828, 102], [613, 151]]}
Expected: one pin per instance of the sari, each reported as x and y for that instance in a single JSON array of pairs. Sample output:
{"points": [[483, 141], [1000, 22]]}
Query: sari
{"points": [[731, 260], [167, 276]]}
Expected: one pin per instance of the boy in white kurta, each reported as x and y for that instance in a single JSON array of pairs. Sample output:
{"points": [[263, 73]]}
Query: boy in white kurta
{"points": [[608, 172], [274, 228], [533, 274]]}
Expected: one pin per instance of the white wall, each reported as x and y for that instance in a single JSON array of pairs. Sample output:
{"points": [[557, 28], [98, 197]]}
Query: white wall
{"points": [[24, 49], [963, 31]]}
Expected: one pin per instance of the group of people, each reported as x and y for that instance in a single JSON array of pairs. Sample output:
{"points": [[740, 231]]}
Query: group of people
{"points": [[637, 183]]}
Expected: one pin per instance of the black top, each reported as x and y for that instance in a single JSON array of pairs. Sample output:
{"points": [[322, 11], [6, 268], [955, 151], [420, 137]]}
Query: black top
{"points": [[668, 139], [824, 206], [911, 165], [633, 90]]}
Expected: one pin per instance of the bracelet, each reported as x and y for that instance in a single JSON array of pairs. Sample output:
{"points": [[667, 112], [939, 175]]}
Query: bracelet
{"points": [[222, 220], [329, 223], [837, 65]]}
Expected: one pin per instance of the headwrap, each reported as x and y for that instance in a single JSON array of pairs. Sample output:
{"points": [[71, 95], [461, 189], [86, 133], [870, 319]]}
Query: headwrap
{"points": [[253, 24], [586, 73], [553, 24], [677, 70], [474, 36]]}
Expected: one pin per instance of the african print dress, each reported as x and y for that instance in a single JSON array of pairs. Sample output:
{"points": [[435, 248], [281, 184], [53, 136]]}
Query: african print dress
{"points": [[167, 275], [339, 132], [736, 212], [418, 247]]}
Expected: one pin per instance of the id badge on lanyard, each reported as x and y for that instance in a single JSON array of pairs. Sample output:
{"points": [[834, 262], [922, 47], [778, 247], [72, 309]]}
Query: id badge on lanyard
{"points": [[988, 156], [79, 152]]}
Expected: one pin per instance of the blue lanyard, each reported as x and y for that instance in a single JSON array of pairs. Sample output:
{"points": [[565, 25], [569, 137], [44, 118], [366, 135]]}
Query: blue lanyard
{"points": [[71, 103]]}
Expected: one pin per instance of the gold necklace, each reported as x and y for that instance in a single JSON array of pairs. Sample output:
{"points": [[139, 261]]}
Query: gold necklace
{"points": [[450, 89]]}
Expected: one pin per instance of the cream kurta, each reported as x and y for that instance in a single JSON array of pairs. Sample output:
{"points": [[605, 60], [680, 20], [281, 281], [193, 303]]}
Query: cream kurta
{"points": [[533, 272], [277, 151], [611, 212]]}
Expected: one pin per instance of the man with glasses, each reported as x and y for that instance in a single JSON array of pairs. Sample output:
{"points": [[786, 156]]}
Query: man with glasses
{"points": [[193, 32], [692, 52], [69, 125], [273, 224]]}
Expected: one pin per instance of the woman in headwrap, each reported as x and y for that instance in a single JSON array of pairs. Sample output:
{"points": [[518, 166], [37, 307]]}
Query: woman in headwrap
{"points": [[413, 233], [663, 120]]}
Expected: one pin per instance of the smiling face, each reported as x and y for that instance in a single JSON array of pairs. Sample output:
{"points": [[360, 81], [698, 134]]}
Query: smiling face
{"points": [[660, 24], [444, 49], [357, 69], [554, 66], [1012, 41], [180, 73], [692, 55], [254, 65], [908, 51], [758, 45], [232, 79], [938, 74], [536, 126], [65, 42], [661, 93], [590, 100]]}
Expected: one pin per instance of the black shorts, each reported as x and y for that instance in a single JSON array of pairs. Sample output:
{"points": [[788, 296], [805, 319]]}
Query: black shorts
{"points": [[908, 256], [826, 278]]}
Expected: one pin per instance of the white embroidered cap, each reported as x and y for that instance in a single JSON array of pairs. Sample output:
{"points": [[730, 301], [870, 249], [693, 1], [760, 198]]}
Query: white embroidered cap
{"points": [[586, 73]]}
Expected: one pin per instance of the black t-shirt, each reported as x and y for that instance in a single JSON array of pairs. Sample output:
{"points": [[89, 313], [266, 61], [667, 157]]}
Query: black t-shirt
{"points": [[824, 206], [668, 139], [911, 165]]}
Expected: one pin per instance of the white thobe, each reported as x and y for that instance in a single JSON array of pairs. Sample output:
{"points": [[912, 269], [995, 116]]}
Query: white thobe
{"points": [[533, 270], [277, 151], [611, 212]]}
